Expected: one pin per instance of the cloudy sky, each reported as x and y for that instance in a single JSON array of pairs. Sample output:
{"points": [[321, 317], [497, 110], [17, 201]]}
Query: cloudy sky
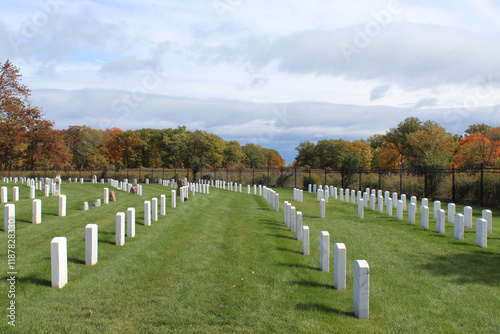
{"points": [[272, 72]]}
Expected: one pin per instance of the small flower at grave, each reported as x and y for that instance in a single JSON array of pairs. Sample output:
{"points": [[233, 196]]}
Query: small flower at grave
{"points": [[242, 279], [221, 306], [234, 286], [253, 272]]}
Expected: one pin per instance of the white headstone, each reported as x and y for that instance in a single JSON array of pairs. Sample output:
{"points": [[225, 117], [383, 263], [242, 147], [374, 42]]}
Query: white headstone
{"points": [[15, 193], [412, 210], [437, 207], [361, 208], [488, 215], [120, 229], [85, 206], [154, 207], [322, 209], [47, 190], [380, 204], [298, 226], [468, 217], [425, 202], [324, 251], [458, 226], [440, 221], [147, 213], [315, 189], [106, 195], [37, 211], [91, 244], [32, 192], [309, 188], [372, 202], [4, 195], [403, 198], [131, 222], [353, 196], [389, 207], [174, 197], [451, 212], [361, 289], [59, 261], [339, 266], [293, 217], [163, 205], [399, 210], [62, 206], [424, 217], [305, 240], [482, 233], [277, 202], [9, 217], [341, 194]]}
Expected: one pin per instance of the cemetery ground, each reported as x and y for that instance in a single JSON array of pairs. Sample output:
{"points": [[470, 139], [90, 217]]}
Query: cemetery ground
{"points": [[225, 262]]}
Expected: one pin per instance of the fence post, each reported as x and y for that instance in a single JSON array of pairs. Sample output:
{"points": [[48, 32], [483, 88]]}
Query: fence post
{"points": [[268, 178], [400, 179], [425, 181], [163, 177], [309, 175], [482, 184], [227, 174], [187, 173], [152, 173], [325, 176], [240, 174], [117, 169], [215, 173], [295, 176], [282, 185], [342, 176], [379, 179], [453, 183], [253, 175], [360, 169]]}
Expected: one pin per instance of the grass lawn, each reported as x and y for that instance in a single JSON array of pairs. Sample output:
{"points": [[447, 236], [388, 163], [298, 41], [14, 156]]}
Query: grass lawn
{"points": [[225, 262]]}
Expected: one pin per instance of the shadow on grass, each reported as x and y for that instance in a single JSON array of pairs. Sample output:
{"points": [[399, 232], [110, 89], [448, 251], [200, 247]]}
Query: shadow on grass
{"points": [[75, 260], [281, 236], [298, 266], [311, 284], [107, 242], [288, 250], [467, 268], [321, 308], [34, 280]]}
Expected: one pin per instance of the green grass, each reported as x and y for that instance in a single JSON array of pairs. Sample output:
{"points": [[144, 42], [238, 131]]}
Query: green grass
{"points": [[225, 262]]}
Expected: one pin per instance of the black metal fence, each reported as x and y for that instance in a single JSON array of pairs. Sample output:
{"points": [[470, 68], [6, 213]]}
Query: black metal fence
{"points": [[478, 185]]}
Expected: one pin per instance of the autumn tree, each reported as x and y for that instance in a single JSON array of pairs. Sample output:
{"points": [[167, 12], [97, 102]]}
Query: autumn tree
{"points": [[254, 155], [479, 148], [307, 155], [431, 146], [26, 137], [398, 137], [233, 154]]}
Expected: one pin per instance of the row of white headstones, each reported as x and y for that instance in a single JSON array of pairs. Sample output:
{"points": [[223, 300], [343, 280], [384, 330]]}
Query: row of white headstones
{"points": [[293, 220], [361, 269], [59, 262], [484, 225]]}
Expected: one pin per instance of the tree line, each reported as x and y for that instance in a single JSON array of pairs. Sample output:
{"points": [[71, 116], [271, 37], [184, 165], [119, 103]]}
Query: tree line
{"points": [[412, 144], [29, 141]]}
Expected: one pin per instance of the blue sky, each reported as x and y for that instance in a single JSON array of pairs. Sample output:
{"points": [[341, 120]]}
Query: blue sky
{"points": [[270, 72]]}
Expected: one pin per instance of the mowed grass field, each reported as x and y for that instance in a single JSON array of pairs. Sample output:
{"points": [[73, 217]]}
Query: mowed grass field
{"points": [[226, 263]]}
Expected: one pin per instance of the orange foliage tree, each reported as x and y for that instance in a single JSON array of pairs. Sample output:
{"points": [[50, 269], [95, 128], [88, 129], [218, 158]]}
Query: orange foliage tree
{"points": [[478, 147]]}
